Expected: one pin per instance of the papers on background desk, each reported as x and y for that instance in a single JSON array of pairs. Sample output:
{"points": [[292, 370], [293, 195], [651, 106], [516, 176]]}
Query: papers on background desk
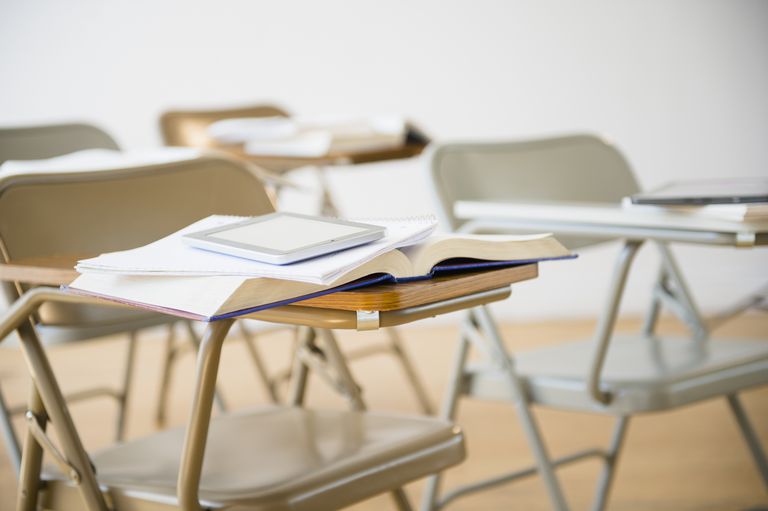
{"points": [[170, 256], [307, 137], [99, 159]]}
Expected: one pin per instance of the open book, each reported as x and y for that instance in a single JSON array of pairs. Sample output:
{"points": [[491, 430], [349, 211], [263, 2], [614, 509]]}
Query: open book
{"points": [[219, 296]]}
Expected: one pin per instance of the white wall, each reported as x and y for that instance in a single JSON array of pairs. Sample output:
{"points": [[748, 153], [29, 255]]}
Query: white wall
{"points": [[679, 86]]}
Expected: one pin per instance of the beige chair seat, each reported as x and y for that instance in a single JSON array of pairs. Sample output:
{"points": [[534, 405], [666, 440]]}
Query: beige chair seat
{"points": [[286, 458], [644, 375], [70, 322]]}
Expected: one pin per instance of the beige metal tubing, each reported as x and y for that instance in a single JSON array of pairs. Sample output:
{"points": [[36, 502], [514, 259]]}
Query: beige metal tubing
{"points": [[347, 320], [448, 412], [11, 442], [396, 347], [249, 339], [750, 436], [685, 306], [125, 393], [354, 394], [610, 460], [17, 318], [31, 461], [485, 322], [336, 360], [300, 372], [608, 319], [196, 436]]}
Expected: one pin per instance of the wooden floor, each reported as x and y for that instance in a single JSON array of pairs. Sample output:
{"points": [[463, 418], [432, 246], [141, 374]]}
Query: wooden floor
{"points": [[688, 459]]}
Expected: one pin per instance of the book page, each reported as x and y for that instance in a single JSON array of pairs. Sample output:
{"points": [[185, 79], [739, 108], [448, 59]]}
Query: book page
{"points": [[490, 247], [201, 296]]}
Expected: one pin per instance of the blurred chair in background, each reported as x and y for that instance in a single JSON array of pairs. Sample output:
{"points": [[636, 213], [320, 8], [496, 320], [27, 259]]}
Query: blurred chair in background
{"points": [[190, 127], [641, 373], [38, 142], [62, 322]]}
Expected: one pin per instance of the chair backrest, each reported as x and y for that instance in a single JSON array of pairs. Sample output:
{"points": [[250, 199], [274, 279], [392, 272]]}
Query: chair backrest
{"points": [[87, 213], [97, 211], [189, 127], [37, 142], [575, 168]]}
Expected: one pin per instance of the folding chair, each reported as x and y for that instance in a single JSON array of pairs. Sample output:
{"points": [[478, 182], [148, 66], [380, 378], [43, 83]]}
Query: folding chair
{"points": [[614, 375], [275, 457]]}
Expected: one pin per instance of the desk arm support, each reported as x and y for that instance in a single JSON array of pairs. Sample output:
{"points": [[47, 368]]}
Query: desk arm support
{"points": [[191, 464], [28, 303], [368, 320], [607, 320]]}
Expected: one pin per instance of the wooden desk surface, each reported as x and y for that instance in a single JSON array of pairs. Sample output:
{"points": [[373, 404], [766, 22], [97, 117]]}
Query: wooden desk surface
{"points": [[388, 297], [337, 158], [59, 270]]}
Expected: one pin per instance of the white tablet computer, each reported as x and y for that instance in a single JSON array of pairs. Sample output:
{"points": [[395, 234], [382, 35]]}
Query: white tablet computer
{"points": [[282, 238]]}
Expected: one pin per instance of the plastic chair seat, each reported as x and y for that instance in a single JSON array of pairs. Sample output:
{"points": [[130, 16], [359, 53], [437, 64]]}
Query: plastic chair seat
{"points": [[287, 458], [643, 374]]}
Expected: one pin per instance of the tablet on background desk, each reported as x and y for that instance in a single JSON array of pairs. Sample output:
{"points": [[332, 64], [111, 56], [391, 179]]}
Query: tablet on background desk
{"points": [[737, 190], [283, 238]]}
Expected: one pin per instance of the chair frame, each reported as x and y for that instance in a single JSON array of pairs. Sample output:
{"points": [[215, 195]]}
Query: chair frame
{"points": [[479, 329], [46, 403]]}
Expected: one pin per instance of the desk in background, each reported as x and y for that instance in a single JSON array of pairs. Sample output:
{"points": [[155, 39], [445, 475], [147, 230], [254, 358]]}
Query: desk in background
{"points": [[611, 221]]}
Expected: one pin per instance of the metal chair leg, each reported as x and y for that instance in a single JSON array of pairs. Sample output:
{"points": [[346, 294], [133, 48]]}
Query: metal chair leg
{"points": [[396, 345], [753, 442], [652, 315], [401, 500], [125, 391], [165, 377], [681, 300], [354, 394], [195, 340], [32, 462], [528, 420], [12, 446], [479, 318], [51, 403], [611, 460], [171, 354], [347, 383], [448, 412], [300, 371], [261, 369]]}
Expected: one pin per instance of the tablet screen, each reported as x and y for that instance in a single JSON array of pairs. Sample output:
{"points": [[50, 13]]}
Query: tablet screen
{"points": [[286, 233]]}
